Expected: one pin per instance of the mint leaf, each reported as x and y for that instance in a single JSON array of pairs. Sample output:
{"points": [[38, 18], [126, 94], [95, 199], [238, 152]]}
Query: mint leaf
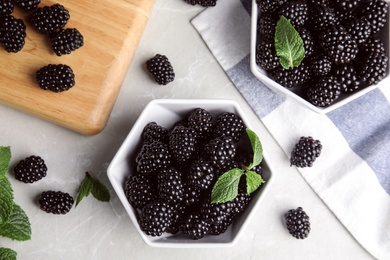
{"points": [[7, 254], [96, 187], [5, 158], [226, 187], [288, 44], [18, 226], [6, 199], [253, 181], [257, 148]]}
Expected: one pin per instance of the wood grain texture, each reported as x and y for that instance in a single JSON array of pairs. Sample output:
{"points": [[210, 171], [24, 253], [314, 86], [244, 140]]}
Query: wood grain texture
{"points": [[111, 30]]}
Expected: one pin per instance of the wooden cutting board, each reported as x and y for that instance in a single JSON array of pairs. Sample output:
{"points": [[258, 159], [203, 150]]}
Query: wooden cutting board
{"points": [[111, 30]]}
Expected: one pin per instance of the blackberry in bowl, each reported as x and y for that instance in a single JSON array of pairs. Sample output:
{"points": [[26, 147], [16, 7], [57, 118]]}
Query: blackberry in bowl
{"points": [[171, 204]]}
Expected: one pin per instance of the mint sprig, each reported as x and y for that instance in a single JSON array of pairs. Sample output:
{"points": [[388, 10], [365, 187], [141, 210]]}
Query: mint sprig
{"points": [[7, 254], [92, 186], [288, 44], [226, 187]]}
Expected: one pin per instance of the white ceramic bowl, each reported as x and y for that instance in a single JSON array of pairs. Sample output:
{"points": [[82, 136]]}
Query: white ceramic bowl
{"points": [[165, 112], [269, 82]]}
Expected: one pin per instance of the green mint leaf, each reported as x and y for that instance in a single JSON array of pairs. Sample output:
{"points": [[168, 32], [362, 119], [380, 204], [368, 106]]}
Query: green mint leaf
{"points": [[5, 158], [288, 44], [85, 188], [18, 226], [6, 199], [256, 147], [7, 254], [226, 187], [253, 181], [92, 186]]}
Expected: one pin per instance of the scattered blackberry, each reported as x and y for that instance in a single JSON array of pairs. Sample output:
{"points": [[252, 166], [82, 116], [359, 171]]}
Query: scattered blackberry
{"points": [[266, 26], [324, 91], [359, 29], [372, 67], [161, 69], [28, 5], [305, 152], [56, 202], [170, 185], [48, 19], [270, 5], [153, 132], [266, 55], [55, 77], [308, 40], [298, 223], [230, 125], [296, 12], [320, 65], [201, 174], [220, 151], [31, 169], [182, 143], [201, 121], [204, 3], [375, 12], [6, 7], [140, 190], [194, 226], [65, 41], [12, 33], [152, 158], [290, 78], [156, 217], [347, 77], [338, 44]]}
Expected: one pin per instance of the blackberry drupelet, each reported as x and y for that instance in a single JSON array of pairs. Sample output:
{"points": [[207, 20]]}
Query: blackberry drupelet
{"points": [[298, 223], [230, 125], [140, 190], [290, 78], [204, 3], [320, 65], [359, 29], [324, 91], [6, 8], [201, 174], [156, 217], [153, 132], [194, 226], [12, 33], [56, 77], [161, 69], [220, 151], [170, 185], [48, 19], [56, 202], [152, 158], [201, 121], [347, 76], [182, 143], [28, 5], [296, 12], [305, 152], [30, 169], [65, 41], [266, 55], [375, 12]]}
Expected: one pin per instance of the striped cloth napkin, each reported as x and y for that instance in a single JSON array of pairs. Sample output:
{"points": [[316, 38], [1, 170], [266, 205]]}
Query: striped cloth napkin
{"points": [[352, 175]]}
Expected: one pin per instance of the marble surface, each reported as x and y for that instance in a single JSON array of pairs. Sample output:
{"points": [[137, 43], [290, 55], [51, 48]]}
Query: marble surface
{"points": [[96, 230]]}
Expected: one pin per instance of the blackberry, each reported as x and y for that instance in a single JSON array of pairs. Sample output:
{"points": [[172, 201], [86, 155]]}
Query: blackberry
{"points": [[140, 190], [266, 55], [305, 152], [156, 217], [347, 76], [220, 151], [194, 226], [161, 69], [170, 185], [359, 29], [153, 132], [338, 44], [372, 45], [308, 40], [322, 17], [324, 91], [347, 6], [56, 202], [298, 223], [372, 67], [192, 194], [55, 77], [201, 121], [320, 65], [48, 19], [296, 12], [6, 8], [28, 5], [31, 169], [152, 158], [12, 33], [230, 125], [204, 3], [270, 5], [179, 210], [266, 26], [218, 215], [240, 203], [201, 174], [375, 12], [292, 78], [182, 143], [65, 41]]}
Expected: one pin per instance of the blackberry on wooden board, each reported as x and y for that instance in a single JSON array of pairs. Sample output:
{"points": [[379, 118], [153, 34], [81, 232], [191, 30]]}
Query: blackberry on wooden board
{"points": [[28, 5], [66, 41], [55, 77], [6, 8], [12, 33], [48, 19]]}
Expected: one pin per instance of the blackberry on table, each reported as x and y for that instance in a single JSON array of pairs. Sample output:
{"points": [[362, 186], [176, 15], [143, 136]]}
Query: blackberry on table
{"points": [[30, 169], [12, 33], [170, 185], [266, 56], [28, 5], [161, 69], [204, 3], [298, 223], [6, 8], [140, 190], [153, 132], [56, 202], [48, 19], [152, 158], [55, 77], [65, 41], [182, 143], [305, 152], [230, 125], [156, 217], [296, 12], [201, 121]]}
